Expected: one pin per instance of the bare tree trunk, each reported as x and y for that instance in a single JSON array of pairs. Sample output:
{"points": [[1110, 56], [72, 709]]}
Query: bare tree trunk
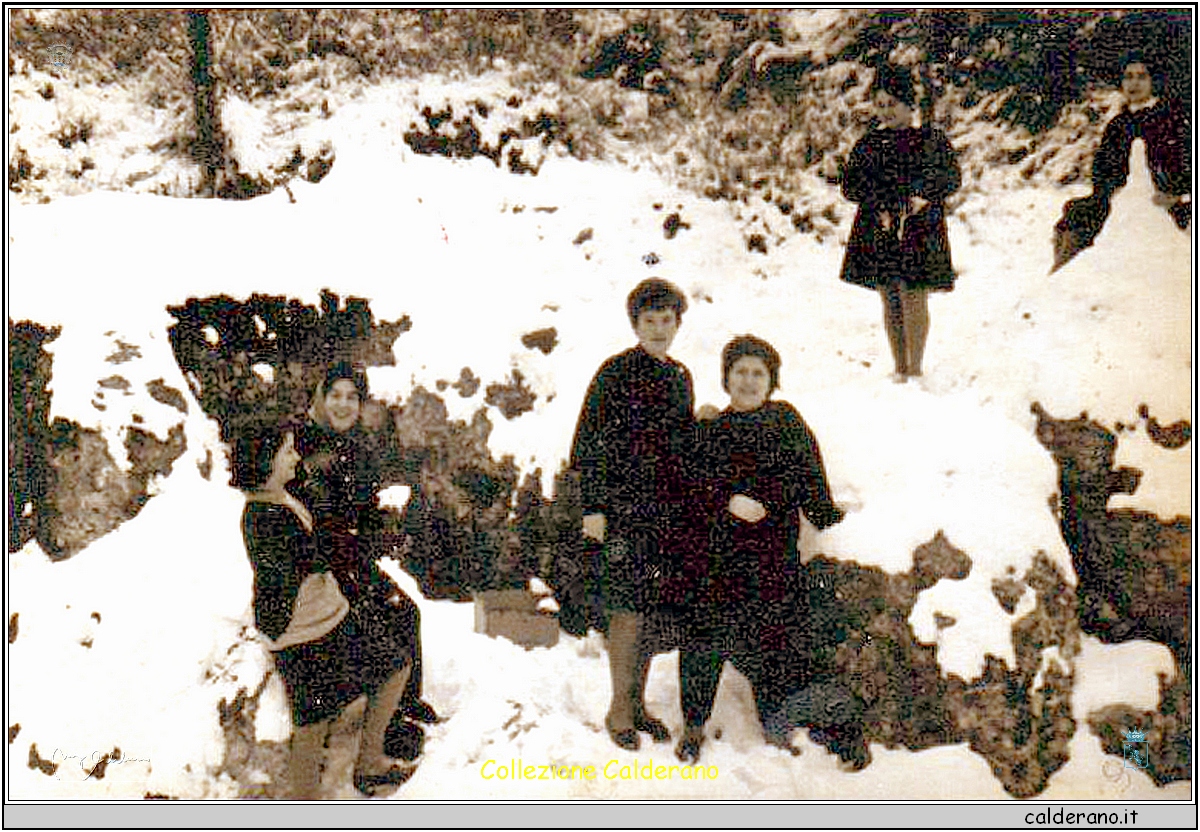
{"points": [[1060, 82], [929, 99], [206, 150], [927, 32]]}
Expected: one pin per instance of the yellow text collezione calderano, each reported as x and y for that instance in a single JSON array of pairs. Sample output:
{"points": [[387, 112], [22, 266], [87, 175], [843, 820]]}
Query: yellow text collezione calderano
{"points": [[517, 769]]}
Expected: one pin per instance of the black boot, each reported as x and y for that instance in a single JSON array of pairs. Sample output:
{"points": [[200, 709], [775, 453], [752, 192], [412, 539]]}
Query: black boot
{"points": [[404, 739], [419, 710], [848, 742]]}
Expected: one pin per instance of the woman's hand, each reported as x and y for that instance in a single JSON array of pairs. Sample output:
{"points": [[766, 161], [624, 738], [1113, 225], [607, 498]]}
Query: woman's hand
{"points": [[1166, 201], [706, 412], [746, 508], [594, 526], [917, 204]]}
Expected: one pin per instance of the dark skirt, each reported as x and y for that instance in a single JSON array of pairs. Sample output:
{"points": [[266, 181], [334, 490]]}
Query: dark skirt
{"points": [[593, 581], [875, 257], [629, 571], [322, 677]]}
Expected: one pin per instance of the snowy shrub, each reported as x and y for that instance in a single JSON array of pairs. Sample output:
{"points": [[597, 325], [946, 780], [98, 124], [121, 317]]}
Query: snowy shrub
{"points": [[29, 475], [761, 101], [1168, 730]]}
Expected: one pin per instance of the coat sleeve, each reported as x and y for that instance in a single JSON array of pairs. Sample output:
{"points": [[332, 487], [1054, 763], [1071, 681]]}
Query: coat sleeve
{"points": [[1110, 165], [859, 178], [588, 451], [687, 407], [1183, 137], [699, 463], [276, 571], [806, 486], [940, 174], [1175, 178], [702, 471]]}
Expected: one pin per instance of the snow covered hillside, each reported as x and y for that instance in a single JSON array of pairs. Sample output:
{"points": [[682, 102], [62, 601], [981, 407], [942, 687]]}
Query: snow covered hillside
{"points": [[129, 650]]}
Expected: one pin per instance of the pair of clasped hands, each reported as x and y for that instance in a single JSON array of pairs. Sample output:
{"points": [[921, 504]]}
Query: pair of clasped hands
{"points": [[746, 509], [916, 204]]}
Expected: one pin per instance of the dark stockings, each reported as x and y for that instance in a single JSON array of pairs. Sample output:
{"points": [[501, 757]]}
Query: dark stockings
{"points": [[906, 319]]}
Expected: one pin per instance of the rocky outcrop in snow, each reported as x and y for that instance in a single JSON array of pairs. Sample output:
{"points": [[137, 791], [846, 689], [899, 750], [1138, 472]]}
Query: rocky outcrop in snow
{"points": [[1018, 718], [67, 488], [1134, 572], [1134, 568]]}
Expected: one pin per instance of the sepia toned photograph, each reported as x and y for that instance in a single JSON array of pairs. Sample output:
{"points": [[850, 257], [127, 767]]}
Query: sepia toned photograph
{"points": [[600, 404]]}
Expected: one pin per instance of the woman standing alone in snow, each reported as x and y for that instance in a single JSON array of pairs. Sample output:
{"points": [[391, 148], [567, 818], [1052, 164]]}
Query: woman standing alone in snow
{"points": [[900, 175]]}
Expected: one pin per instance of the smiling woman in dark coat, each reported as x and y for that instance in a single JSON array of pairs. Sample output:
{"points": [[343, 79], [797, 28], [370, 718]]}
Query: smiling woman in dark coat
{"points": [[900, 176], [1163, 125], [341, 474], [753, 469]]}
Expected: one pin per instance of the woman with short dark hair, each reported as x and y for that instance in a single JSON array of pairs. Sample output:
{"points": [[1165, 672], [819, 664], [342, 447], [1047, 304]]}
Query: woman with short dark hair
{"points": [[1163, 125], [755, 468], [306, 620], [900, 176], [628, 450]]}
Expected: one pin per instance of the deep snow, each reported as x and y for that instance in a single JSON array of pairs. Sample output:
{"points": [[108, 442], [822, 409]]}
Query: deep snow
{"points": [[440, 241]]}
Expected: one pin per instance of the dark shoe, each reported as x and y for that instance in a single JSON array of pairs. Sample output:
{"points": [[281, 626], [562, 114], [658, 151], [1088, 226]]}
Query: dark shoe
{"points": [[783, 743], [855, 758], [419, 710], [404, 740], [369, 784], [654, 727], [626, 738], [688, 749]]}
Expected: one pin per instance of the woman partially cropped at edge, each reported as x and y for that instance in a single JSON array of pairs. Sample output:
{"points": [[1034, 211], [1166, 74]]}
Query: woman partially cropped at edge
{"points": [[900, 175]]}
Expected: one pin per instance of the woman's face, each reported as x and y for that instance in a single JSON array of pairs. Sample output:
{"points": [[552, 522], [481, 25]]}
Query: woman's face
{"points": [[892, 112], [342, 405], [1136, 83], [656, 330], [749, 383], [283, 466]]}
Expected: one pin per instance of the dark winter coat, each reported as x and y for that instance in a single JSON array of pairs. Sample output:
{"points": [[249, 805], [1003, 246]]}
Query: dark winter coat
{"points": [[629, 448], [339, 479], [885, 168], [631, 438], [1164, 128], [771, 456], [356, 648], [283, 553]]}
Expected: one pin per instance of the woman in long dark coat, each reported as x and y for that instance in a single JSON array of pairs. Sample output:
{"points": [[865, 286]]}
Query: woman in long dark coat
{"points": [[340, 478], [629, 449], [755, 467], [900, 176], [320, 651]]}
